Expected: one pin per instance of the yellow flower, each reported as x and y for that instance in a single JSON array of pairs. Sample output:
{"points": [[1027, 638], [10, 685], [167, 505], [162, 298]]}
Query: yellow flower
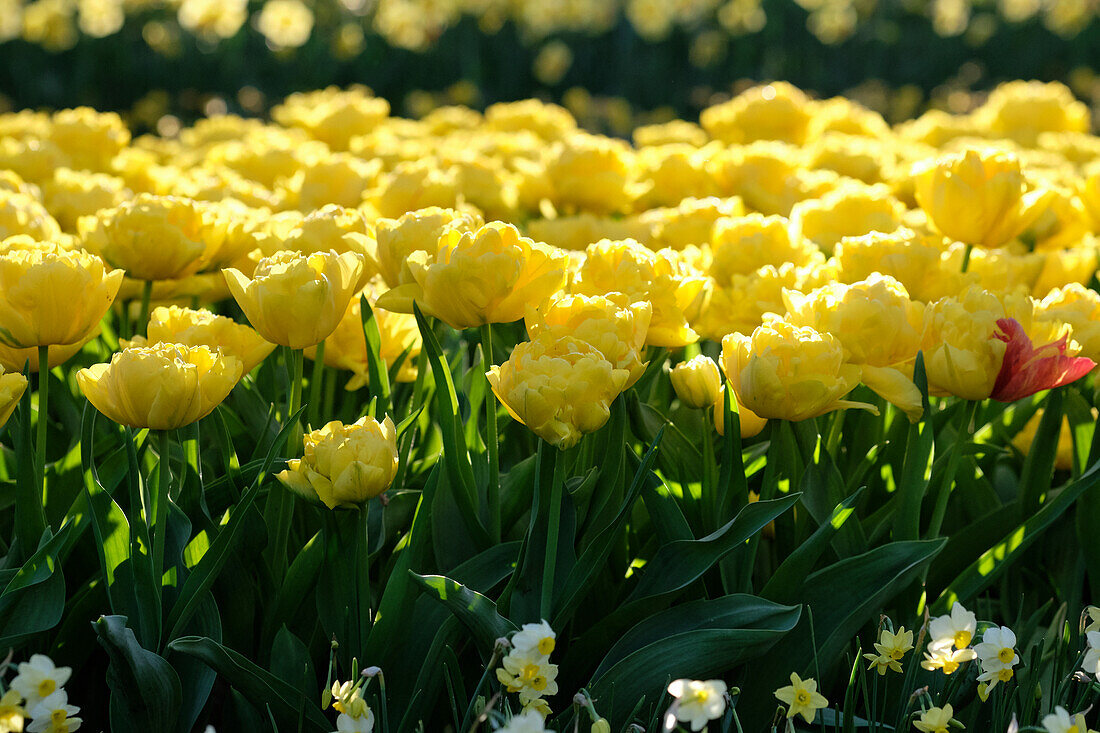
{"points": [[176, 325], [345, 464], [161, 387], [697, 382], [741, 245], [559, 387], [1022, 110], [934, 720], [592, 173], [12, 713], [977, 197], [21, 213], [489, 276], [285, 23], [416, 231], [296, 300], [611, 323], [673, 171], [52, 296], [12, 386], [776, 111], [151, 237], [689, 223], [845, 212], [744, 302], [801, 698], [1078, 306], [788, 372], [346, 347], [915, 260], [13, 359], [945, 658], [528, 673], [879, 327], [663, 278], [890, 649], [333, 116], [415, 184], [751, 423]]}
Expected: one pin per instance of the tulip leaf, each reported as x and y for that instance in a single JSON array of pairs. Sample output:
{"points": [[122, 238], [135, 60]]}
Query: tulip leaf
{"points": [[994, 561], [258, 685], [679, 563], [784, 583], [1038, 469], [145, 690], [476, 612], [456, 457], [699, 640], [376, 365], [919, 453]]}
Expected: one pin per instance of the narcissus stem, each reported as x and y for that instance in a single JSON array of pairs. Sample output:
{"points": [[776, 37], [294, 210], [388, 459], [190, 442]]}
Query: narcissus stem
{"points": [[557, 488], [43, 408], [491, 437], [159, 530]]}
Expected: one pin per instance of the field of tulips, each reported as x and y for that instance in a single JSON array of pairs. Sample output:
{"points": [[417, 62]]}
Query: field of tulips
{"points": [[784, 420]]}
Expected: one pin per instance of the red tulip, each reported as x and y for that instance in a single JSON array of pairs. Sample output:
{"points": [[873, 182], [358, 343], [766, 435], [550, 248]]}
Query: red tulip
{"points": [[1027, 369]]}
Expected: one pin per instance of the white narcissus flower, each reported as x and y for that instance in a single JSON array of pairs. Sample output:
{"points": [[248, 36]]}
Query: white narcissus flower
{"points": [[531, 675], [698, 702], [944, 657], [38, 679], [347, 724], [534, 637], [1091, 662], [529, 722], [1062, 722], [54, 714], [958, 627], [998, 648]]}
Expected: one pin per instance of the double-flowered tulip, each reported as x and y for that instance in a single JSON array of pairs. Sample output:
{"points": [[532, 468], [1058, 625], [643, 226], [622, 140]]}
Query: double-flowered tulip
{"points": [[190, 327]]}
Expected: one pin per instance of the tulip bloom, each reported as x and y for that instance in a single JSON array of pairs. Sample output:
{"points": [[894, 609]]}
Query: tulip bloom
{"points": [[697, 382], [1027, 369], [175, 325], [296, 300], [50, 296], [345, 464], [789, 372], [977, 197], [416, 231], [160, 387], [560, 388], [489, 276]]}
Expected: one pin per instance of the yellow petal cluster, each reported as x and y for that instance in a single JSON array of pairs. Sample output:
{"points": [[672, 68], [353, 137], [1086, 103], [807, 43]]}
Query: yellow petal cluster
{"points": [[345, 464], [190, 327], [160, 387]]}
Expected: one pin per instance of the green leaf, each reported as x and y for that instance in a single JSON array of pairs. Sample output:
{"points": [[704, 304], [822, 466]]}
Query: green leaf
{"points": [[475, 611], [145, 690], [994, 561], [699, 640], [259, 686], [919, 449], [1038, 469], [679, 563], [376, 365], [784, 583]]}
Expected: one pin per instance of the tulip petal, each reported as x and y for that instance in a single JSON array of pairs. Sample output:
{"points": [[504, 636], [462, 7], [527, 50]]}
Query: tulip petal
{"points": [[1027, 370]]}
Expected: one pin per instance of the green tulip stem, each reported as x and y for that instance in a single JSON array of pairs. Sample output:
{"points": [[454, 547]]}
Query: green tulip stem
{"points": [[142, 325], [491, 437], [160, 527], [707, 487], [43, 407], [557, 488], [366, 614], [315, 380], [966, 257], [967, 412], [284, 508]]}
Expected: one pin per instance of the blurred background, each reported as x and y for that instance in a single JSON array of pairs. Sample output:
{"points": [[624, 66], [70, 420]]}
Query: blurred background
{"points": [[613, 63]]}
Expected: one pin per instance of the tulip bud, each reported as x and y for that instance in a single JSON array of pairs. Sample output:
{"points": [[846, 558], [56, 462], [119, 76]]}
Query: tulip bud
{"points": [[697, 382]]}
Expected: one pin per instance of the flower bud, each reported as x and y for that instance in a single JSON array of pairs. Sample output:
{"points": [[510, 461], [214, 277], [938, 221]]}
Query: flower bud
{"points": [[697, 382]]}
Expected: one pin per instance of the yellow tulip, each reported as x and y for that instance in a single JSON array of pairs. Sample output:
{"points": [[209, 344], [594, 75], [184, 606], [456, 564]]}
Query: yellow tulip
{"points": [[878, 326], [977, 197], [345, 464], [592, 173], [151, 237], [751, 423], [741, 245], [296, 300], [789, 372], [560, 388], [160, 387], [663, 278], [915, 260], [52, 296], [175, 325], [12, 386], [847, 211], [488, 276], [611, 323], [697, 382], [416, 231], [14, 359]]}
